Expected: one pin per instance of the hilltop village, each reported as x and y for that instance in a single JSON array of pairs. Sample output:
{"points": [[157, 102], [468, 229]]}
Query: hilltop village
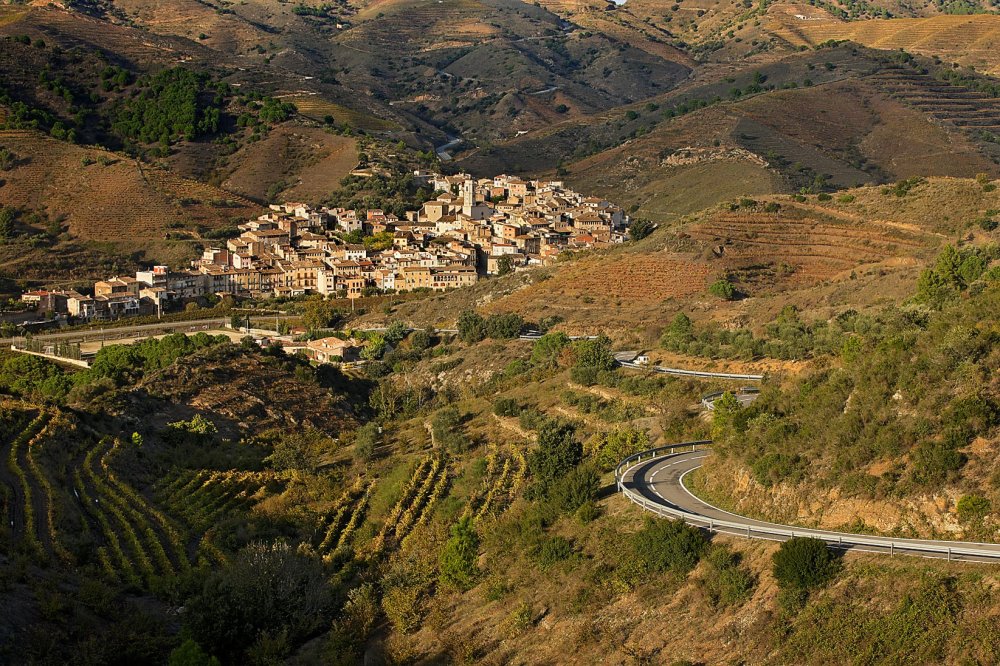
{"points": [[471, 229]]}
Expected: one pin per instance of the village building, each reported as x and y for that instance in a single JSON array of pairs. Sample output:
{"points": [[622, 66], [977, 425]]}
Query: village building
{"points": [[470, 229]]}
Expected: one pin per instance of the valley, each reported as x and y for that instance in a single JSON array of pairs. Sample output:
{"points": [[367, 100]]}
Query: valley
{"points": [[426, 290]]}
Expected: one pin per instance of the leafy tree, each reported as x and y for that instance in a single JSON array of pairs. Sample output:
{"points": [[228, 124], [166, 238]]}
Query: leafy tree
{"points": [[457, 564], [446, 427], [680, 330], [274, 111], [366, 440], [548, 348], [319, 313], [421, 341], [30, 376], [558, 452], [395, 333], [299, 451], [505, 266], [804, 563], [726, 417], [375, 347], [504, 326], [953, 272], [471, 326], [594, 354], [119, 363], [618, 444], [640, 228]]}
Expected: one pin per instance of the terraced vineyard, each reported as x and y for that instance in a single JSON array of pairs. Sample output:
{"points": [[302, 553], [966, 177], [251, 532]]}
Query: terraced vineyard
{"points": [[970, 110], [203, 498], [506, 471], [338, 525], [140, 542], [26, 488], [419, 21], [813, 250], [425, 488], [966, 39]]}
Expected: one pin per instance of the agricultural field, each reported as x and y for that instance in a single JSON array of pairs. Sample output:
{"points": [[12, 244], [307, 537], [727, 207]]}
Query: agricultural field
{"points": [[967, 40]]}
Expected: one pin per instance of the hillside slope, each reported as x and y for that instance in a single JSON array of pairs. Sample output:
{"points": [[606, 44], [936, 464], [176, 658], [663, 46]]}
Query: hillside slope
{"points": [[113, 204]]}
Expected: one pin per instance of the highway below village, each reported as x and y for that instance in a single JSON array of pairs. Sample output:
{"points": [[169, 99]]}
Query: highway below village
{"points": [[655, 481]]}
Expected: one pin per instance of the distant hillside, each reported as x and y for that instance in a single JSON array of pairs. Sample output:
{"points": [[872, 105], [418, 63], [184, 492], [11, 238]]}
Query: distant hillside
{"points": [[107, 202], [861, 249], [836, 117]]}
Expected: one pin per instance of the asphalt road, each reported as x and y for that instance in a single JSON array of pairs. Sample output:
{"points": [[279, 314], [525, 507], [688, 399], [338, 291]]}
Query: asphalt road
{"points": [[660, 481]]}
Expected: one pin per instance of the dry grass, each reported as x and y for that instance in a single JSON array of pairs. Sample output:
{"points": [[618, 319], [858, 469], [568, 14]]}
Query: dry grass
{"points": [[309, 161], [317, 108], [969, 40], [124, 207]]}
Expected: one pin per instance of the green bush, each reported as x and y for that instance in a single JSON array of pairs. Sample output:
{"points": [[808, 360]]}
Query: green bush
{"points": [[722, 289], [548, 348], [577, 488], [557, 453], [595, 354], [804, 563], [553, 550], [504, 326], [267, 589], [668, 545], [471, 326], [973, 507], [618, 444], [457, 564], [446, 426], [728, 582], [508, 407]]}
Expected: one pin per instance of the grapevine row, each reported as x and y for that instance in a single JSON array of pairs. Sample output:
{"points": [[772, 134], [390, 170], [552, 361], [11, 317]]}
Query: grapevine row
{"points": [[124, 563], [22, 439], [114, 504], [50, 503], [133, 496], [409, 493]]}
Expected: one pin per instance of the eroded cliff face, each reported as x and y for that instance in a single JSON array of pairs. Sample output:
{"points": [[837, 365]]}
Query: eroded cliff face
{"points": [[731, 485]]}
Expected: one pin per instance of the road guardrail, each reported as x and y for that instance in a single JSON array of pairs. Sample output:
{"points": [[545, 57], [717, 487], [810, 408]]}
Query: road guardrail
{"points": [[773, 532], [691, 373]]}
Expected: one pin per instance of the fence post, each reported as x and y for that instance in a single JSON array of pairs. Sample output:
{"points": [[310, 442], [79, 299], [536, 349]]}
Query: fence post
{"points": [[949, 554], [748, 531], [891, 548]]}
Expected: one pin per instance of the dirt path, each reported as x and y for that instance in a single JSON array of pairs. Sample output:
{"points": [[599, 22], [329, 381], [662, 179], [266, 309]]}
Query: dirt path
{"points": [[511, 425]]}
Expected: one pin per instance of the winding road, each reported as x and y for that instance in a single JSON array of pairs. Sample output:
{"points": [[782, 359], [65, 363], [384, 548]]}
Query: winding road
{"points": [[655, 481]]}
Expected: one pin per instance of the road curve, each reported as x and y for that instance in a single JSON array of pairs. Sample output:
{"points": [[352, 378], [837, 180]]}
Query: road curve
{"points": [[657, 485]]}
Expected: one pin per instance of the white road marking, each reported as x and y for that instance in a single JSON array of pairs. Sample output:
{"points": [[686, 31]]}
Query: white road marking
{"points": [[899, 543]]}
